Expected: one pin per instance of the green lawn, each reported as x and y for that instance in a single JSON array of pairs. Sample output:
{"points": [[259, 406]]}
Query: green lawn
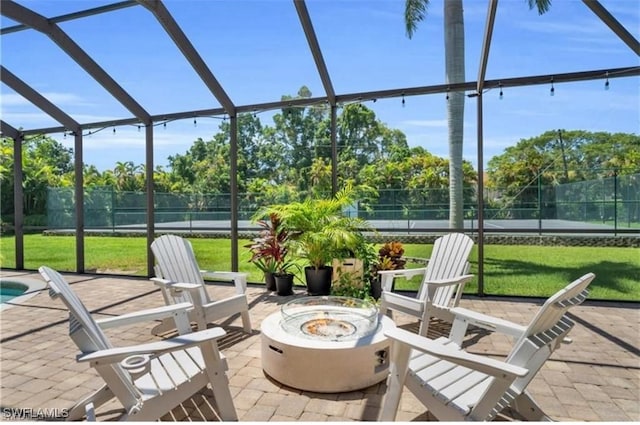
{"points": [[509, 270]]}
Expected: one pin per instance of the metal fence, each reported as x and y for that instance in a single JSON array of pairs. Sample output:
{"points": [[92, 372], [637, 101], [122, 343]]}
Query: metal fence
{"points": [[614, 200]]}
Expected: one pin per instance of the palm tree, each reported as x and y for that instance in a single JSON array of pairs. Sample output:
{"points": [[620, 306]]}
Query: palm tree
{"points": [[415, 12], [125, 174], [91, 175]]}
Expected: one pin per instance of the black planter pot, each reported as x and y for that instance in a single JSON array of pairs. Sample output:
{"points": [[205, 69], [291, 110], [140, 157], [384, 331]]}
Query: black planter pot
{"points": [[376, 288], [318, 280], [284, 284], [270, 281]]}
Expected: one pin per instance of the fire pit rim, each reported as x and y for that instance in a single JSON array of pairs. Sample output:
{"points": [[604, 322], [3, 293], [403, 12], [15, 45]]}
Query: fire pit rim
{"points": [[363, 315], [271, 328]]}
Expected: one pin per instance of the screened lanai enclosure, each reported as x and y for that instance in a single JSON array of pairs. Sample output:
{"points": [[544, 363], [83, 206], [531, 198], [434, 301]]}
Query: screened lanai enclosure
{"points": [[252, 102]]}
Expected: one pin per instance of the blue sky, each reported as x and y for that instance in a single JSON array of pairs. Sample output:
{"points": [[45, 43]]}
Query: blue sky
{"points": [[258, 52]]}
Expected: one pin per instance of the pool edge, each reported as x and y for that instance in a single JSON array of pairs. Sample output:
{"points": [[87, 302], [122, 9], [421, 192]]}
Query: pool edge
{"points": [[34, 287]]}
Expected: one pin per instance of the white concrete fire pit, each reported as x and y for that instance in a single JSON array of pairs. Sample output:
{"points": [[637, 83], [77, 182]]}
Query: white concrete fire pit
{"points": [[326, 344]]}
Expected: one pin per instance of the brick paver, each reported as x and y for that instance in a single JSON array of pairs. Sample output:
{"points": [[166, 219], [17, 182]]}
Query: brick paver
{"points": [[595, 378]]}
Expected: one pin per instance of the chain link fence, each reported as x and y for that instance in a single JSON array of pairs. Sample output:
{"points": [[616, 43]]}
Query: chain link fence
{"points": [[613, 200]]}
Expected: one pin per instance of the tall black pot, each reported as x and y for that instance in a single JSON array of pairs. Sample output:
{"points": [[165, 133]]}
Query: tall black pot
{"points": [[284, 284], [318, 280], [376, 288], [270, 281]]}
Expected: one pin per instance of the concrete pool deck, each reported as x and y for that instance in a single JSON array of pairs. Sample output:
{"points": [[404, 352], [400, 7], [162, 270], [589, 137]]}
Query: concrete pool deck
{"points": [[595, 378]]}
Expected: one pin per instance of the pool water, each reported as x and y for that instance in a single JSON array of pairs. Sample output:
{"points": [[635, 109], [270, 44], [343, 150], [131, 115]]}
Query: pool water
{"points": [[9, 291]]}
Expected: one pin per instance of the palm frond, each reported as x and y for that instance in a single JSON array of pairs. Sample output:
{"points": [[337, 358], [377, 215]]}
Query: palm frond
{"points": [[542, 5], [414, 13]]}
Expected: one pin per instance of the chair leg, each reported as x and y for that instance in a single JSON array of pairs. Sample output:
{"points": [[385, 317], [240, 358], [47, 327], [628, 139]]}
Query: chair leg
{"points": [[246, 322], [458, 330], [424, 328], [97, 398], [219, 382], [182, 325], [424, 323], [384, 309], [526, 406], [90, 412], [400, 354], [201, 322]]}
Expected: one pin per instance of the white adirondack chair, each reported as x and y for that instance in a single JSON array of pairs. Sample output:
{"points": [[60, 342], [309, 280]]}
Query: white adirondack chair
{"points": [[457, 386], [443, 280], [181, 280], [148, 379]]}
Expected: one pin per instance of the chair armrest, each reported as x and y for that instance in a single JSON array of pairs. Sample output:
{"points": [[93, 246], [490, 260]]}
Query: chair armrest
{"points": [[144, 315], [186, 286], [387, 276], [432, 287], [166, 283], [161, 282], [458, 280], [197, 293], [408, 273], [113, 355], [401, 303], [453, 354], [490, 323], [239, 279]]}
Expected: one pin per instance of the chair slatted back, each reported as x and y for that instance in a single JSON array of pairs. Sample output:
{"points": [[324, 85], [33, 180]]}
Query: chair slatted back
{"points": [[88, 336], [543, 336], [551, 321], [177, 263], [449, 259]]}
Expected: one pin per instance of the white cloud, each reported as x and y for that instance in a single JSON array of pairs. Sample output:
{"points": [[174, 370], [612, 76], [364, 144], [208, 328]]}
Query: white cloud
{"points": [[67, 99], [13, 99], [57, 98], [28, 119]]}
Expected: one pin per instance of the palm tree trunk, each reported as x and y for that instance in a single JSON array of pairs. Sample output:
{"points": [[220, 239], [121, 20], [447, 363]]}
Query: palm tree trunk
{"points": [[454, 53]]}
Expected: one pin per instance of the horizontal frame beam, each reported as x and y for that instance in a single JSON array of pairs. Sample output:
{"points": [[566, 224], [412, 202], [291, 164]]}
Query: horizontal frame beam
{"points": [[631, 71]]}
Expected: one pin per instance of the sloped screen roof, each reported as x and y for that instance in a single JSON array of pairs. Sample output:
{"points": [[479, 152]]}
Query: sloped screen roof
{"points": [[254, 52]]}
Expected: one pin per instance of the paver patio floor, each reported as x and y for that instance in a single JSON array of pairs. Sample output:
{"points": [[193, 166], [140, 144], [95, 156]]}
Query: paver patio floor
{"points": [[595, 378]]}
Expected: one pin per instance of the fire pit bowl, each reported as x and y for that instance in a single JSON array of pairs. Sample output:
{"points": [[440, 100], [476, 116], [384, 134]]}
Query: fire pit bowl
{"points": [[329, 318], [326, 344]]}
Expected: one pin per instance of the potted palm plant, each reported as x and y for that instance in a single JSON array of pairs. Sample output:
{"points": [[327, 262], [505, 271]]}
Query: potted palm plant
{"points": [[319, 232], [269, 250]]}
